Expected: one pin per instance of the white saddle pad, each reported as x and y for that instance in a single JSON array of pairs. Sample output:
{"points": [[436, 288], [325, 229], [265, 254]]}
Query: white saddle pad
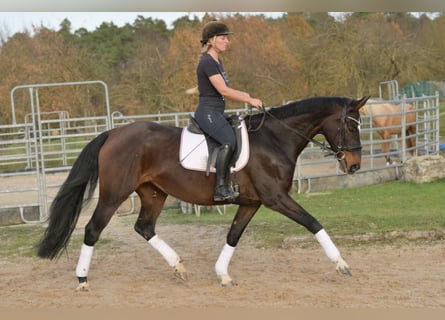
{"points": [[193, 151]]}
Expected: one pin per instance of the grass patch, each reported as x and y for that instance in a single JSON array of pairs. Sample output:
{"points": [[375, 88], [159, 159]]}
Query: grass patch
{"points": [[393, 206], [20, 241]]}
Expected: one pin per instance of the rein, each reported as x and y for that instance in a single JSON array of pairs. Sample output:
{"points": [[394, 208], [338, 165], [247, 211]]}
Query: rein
{"points": [[249, 125]]}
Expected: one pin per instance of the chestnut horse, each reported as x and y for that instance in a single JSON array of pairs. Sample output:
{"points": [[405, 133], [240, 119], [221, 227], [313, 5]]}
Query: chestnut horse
{"points": [[143, 157], [387, 119]]}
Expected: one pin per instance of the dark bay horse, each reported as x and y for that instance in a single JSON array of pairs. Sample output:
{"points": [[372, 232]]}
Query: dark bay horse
{"points": [[388, 119], [143, 157]]}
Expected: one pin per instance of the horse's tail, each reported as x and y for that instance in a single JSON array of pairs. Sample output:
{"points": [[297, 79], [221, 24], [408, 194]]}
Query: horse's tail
{"points": [[66, 207]]}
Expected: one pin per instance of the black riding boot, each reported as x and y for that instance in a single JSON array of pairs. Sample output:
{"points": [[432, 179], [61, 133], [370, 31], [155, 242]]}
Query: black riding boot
{"points": [[223, 191]]}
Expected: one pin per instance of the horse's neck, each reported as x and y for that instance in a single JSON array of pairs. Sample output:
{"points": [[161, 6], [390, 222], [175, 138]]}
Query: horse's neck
{"points": [[293, 134], [304, 127]]}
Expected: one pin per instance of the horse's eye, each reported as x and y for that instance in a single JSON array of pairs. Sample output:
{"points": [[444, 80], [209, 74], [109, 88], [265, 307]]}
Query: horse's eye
{"points": [[353, 124], [354, 127]]}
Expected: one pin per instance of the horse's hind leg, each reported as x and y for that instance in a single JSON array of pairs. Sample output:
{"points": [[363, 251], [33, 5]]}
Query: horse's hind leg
{"points": [[152, 201], [101, 216]]}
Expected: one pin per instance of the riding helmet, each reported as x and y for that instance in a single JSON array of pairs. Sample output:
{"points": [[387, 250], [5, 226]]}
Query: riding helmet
{"points": [[214, 28]]}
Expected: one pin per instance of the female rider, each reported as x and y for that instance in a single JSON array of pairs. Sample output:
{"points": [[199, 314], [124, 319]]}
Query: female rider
{"points": [[213, 87]]}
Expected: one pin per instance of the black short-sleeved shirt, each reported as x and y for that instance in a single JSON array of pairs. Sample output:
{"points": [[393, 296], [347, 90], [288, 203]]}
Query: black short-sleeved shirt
{"points": [[208, 67]]}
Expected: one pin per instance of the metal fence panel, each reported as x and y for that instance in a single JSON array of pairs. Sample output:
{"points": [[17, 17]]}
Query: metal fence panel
{"points": [[33, 151]]}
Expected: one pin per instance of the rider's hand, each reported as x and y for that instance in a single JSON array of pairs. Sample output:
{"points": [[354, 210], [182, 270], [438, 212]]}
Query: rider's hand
{"points": [[256, 103]]}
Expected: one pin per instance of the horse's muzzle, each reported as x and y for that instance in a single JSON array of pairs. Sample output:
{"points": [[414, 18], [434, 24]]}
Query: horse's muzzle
{"points": [[354, 168]]}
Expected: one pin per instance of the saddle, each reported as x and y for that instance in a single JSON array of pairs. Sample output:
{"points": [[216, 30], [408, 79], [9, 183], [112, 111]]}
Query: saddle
{"points": [[198, 150]]}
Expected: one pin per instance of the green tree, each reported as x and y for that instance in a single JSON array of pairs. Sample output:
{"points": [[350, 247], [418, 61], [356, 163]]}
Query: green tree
{"points": [[139, 90], [430, 39], [148, 67]]}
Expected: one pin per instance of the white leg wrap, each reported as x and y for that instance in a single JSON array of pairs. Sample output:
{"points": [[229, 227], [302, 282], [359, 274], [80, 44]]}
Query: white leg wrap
{"points": [[165, 250], [222, 264], [328, 246], [83, 265]]}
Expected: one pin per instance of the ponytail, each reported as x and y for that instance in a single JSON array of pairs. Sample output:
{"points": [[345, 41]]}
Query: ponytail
{"points": [[206, 46]]}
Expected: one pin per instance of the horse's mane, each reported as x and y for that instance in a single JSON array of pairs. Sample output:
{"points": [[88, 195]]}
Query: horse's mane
{"points": [[300, 107]]}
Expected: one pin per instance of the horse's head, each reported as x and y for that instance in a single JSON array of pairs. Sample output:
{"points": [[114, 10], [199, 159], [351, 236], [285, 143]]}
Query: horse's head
{"points": [[342, 131]]}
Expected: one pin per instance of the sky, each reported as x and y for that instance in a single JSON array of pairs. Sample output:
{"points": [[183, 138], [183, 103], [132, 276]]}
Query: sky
{"points": [[13, 22]]}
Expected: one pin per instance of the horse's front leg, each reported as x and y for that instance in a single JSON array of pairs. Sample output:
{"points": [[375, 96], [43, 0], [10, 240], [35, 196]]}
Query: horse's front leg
{"points": [[239, 224], [386, 147], [288, 207], [170, 256], [332, 252]]}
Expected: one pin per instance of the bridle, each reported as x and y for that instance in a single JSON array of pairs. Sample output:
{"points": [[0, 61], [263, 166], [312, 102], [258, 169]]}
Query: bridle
{"points": [[341, 147], [341, 134]]}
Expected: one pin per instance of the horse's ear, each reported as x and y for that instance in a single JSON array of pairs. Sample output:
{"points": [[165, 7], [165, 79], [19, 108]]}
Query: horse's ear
{"points": [[361, 102]]}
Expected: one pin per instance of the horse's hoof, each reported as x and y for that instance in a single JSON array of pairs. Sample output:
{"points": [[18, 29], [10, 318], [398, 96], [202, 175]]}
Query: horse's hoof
{"points": [[83, 287], [345, 271], [180, 271], [226, 280], [342, 267]]}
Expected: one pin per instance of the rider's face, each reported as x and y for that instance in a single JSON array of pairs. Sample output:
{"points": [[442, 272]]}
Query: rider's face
{"points": [[220, 43]]}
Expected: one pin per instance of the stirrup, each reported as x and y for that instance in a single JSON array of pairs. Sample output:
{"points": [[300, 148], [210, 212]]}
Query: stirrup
{"points": [[224, 192]]}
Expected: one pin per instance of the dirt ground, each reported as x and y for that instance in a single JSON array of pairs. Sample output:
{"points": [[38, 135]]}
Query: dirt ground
{"points": [[129, 273]]}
